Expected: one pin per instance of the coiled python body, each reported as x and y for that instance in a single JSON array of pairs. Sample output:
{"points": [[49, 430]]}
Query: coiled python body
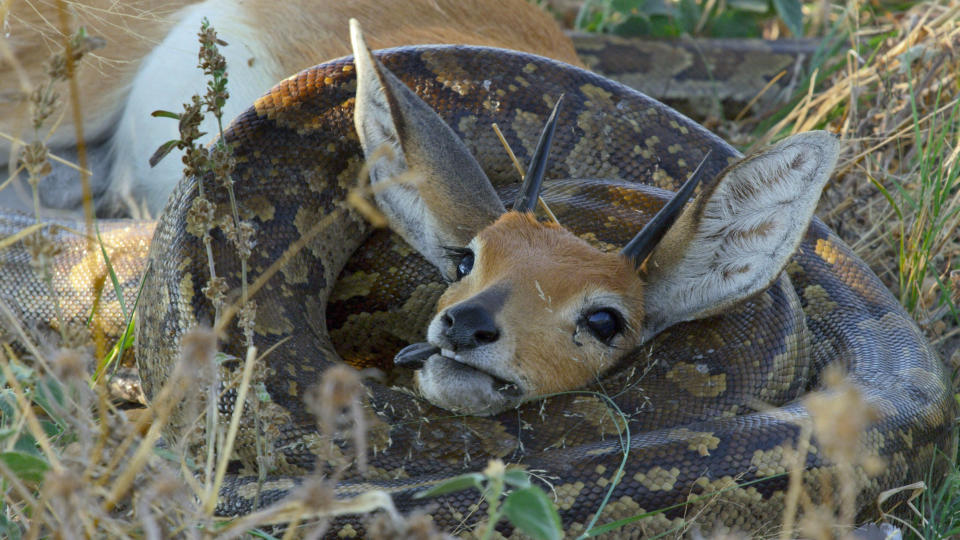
{"points": [[710, 403]]}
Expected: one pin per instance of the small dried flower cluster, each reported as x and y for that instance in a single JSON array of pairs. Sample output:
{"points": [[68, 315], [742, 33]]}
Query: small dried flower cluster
{"points": [[214, 65], [200, 218], [222, 164], [243, 238], [79, 45], [207, 212], [216, 291], [33, 157], [840, 417], [189, 128], [248, 320], [218, 161], [43, 249], [75, 335], [337, 402], [44, 101], [198, 161], [419, 526]]}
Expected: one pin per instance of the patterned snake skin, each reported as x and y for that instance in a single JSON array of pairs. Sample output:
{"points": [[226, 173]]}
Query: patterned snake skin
{"points": [[710, 403]]}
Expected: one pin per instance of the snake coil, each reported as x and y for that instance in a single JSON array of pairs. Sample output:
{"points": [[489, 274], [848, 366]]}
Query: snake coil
{"points": [[710, 403]]}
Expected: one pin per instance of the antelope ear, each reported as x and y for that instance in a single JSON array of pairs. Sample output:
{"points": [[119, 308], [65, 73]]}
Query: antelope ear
{"points": [[431, 189], [739, 233]]}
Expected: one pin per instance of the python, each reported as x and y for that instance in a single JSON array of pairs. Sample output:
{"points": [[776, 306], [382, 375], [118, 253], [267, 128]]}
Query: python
{"points": [[533, 309]]}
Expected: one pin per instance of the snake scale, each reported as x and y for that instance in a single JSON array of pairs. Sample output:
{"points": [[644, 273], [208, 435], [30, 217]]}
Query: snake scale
{"points": [[710, 403]]}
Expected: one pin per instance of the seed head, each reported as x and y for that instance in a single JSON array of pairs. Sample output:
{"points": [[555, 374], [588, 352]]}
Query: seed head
{"points": [[42, 249], [840, 416], [69, 364], [216, 290], [190, 120], [34, 159], [222, 163], [317, 493], [247, 320], [200, 217], [198, 348], [336, 402], [44, 101]]}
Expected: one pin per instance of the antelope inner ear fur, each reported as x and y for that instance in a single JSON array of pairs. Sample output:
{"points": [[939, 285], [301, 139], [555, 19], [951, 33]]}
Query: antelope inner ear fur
{"points": [[739, 233], [432, 190]]}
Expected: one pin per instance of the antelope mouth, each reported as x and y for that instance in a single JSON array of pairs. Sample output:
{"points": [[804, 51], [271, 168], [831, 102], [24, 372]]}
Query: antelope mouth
{"points": [[455, 362], [450, 380]]}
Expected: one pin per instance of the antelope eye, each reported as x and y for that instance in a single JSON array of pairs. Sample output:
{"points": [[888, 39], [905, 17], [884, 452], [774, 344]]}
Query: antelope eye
{"points": [[604, 324], [465, 265]]}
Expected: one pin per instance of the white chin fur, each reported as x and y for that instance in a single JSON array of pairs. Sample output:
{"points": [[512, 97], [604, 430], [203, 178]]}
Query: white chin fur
{"points": [[461, 389]]}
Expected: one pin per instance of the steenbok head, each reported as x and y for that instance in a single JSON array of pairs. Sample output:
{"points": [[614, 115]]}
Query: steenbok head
{"points": [[531, 308]]}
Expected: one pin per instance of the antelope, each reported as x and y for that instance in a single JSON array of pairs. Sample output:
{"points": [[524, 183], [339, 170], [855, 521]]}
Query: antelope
{"points": [[149, 63], [494, 343]]}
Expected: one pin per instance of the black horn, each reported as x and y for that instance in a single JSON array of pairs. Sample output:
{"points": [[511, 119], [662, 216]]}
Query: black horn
{"points": [[533, 181], [643, 243]]}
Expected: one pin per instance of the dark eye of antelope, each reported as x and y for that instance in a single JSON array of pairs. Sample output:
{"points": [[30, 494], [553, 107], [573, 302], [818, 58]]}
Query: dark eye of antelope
{"points": [[465, 264], [604, 324], [462, 259]]}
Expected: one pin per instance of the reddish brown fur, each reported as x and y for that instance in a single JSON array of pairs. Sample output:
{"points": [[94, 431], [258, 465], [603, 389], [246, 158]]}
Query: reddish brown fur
{"points": [[299, 34], [131, 29], [523, 254], [321, 27]]}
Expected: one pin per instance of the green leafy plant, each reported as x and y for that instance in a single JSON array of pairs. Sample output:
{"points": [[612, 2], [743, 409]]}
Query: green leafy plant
{"points": [[927, 210], [524, 505], [673, 18]]}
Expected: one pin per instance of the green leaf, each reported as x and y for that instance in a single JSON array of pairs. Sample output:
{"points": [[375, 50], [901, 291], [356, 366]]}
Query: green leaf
{"points": [[658, 7], [165, 114], [51, 429], [8, 406], [755, 6], [126, 340], [792, 14], [28, 467], [457, 483], [517, 478], [532, 512], [9, 529], [113, 275], [50, 396], [736, 24], [257, 533], [688, 15], [162, 152], [664, 27], [26, 444], [175, 458], [20, 373]]}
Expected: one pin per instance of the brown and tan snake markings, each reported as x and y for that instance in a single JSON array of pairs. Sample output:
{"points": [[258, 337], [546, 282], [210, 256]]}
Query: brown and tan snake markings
{"points": [[718, 402]]}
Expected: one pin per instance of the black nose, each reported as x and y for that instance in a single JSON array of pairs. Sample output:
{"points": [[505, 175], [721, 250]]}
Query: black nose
{"points": [[469, 325]]}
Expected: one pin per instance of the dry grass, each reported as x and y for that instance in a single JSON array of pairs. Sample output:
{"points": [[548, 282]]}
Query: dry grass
{"points": [[74, 465], [893, 98]]}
